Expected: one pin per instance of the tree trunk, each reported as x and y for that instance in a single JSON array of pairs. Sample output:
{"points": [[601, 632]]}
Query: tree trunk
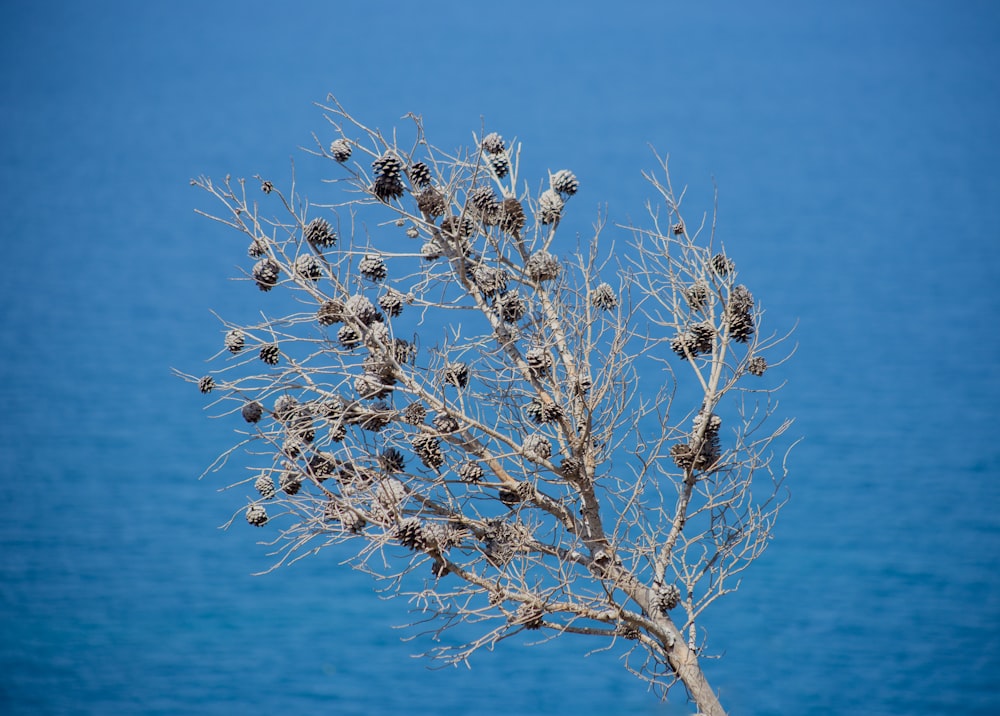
{"points": [[685, 665]]}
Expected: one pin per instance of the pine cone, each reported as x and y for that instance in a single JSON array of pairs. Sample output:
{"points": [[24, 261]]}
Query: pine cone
{"points": [[458, 230], [512, 216], [511, 307], [470, 472], [490, 281], [755, 366], [390, 493], [493, 143], [721, 265], [682, 344], [665, 598], [257, 515], [540, 412], [392, 460], [270, 354], [529, 616], [739, 314], [440, 537], [371, 387], [290, 482], [539, 362], [388, 187], [387, 165], [319, 234], [502, 540], [321, 465], [456, 374], [372, 267], [410, 533], [257, 249], [714, 423], [420, 175], [291, 447], [330, 312], [500, 165], [402, 351], [445, 423], [550, 206], [711, 447], [570, 466], [285, 408], [348, 337], [308, 267], [341, 150], [703, 335], [414, 414], [428, 449], [627, 631], [564, 182], [542, 266], [604, 297], [697, 340], [486, 205], [696, 295], [537, 446], [352, 521], [376, 418], [338, 431], [234, 341], [682, 455], [511, 496], [265, 272], [252, 411], [431, 250], [364, 310], [206, 384], [391, 302], [379, 367], [302, 430], [431, 203], [265, 486]]}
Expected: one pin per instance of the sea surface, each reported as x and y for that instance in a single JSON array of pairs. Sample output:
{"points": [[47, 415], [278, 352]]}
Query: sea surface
{"points": [[854, 148]]}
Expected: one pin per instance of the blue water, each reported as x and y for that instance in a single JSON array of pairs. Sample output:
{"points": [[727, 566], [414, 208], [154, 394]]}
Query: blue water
{"points": [[855, 150]]}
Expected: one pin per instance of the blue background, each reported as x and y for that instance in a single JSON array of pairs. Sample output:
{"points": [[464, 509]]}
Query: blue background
{"points": [[855, 146]]}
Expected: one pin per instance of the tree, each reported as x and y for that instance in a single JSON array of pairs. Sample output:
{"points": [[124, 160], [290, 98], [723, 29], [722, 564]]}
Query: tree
{"points": [[517, 431]]}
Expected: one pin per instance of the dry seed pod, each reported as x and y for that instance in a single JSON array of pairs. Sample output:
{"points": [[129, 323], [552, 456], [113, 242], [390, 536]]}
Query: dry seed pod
{"points": [[270, 353], [265, 272], [550, 207], [542, 266], [420, 175], [265, 486], [319, 234], [493, 143], [372, 267], [257, 515], [564, 182], [757, 366], [234, 341], [341, 150], [604, 297], [456, 374], [308, 267]]}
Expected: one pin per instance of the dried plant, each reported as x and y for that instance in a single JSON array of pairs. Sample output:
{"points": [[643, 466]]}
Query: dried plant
{"points": [[510, 432]]}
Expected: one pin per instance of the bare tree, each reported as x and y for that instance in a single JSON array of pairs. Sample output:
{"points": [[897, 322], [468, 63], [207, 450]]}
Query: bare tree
{"points": [[512, 436]]}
